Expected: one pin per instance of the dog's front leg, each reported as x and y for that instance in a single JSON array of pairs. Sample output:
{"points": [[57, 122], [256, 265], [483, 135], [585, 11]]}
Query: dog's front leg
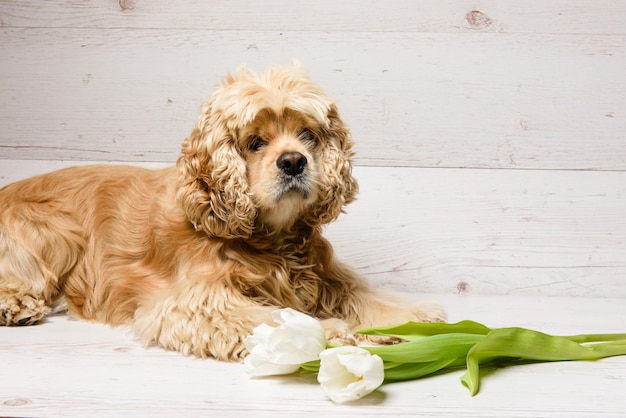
{"points": [[200, 318], [364, 306]]}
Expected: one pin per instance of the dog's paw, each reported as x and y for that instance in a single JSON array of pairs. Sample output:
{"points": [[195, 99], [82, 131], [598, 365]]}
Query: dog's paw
{"points": [[368, 340], [23, 311], [416, 312], [338, 332], [428, 312]]}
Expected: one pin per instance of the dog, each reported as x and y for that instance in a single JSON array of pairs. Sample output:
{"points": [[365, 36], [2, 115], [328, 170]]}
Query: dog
{"points": [[195, 256]]}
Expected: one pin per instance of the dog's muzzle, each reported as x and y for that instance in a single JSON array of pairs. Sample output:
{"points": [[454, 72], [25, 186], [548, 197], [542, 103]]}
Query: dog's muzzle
{"points": [[292, 166]]}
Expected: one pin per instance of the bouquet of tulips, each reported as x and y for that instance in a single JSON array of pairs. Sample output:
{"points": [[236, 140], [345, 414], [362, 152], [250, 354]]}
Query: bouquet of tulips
{"points": [[348, 372]]}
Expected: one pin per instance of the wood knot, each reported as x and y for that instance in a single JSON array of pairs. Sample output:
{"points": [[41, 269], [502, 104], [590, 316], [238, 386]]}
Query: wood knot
{"points": [[478, 20], [16, 402], [463, 287], [126, 5]]}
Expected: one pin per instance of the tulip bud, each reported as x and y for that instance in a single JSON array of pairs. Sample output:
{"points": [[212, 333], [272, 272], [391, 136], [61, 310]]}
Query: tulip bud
{"points": [[348, 373], [298, 339]]}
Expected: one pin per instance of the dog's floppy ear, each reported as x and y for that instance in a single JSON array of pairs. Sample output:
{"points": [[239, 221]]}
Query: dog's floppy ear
{"points": [[213, 186], [338, 187]]}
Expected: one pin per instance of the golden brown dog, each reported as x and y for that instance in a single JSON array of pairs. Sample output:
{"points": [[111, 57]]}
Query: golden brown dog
{"points": [[195, 256]]}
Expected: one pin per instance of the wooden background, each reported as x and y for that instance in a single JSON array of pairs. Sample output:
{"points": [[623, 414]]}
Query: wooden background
{"points": [[491, 158], [491, 134]]}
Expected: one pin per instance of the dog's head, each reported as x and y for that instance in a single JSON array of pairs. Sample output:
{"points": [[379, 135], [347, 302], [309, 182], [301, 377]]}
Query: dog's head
{"points": [[269, 149]]}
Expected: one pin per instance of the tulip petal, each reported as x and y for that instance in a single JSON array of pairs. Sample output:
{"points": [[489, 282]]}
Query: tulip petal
{"points": [[257, 365]]}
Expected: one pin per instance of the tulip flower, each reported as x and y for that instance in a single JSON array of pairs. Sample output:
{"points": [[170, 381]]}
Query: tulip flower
{"points": [[348, 373], [298, 339]]}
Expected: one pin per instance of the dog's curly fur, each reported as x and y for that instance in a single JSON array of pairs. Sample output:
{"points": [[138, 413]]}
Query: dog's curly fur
{"points": [[195, 256]]}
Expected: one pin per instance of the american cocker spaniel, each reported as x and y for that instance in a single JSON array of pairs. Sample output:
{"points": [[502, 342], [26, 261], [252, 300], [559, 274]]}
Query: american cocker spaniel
{"points": [[195, 256]]}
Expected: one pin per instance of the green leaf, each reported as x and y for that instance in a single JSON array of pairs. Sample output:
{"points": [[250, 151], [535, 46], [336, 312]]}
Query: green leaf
{"points": [[609, 349], [434, 348], [408, 371], [311, 366], [412, 331], [594, 338], [521, 343]]}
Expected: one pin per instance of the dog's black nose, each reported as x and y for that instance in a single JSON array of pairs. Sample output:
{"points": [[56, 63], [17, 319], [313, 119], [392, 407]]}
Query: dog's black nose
{"points": [[291, 163]]}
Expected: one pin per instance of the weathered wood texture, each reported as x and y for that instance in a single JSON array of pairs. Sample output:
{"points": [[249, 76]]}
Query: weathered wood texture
{"points": [[425, 84], [506, 16], [491, 135]]}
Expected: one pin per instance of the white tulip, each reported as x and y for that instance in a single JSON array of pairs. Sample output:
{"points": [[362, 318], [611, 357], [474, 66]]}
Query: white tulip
{"points": [[298, 339], [348, 373]]}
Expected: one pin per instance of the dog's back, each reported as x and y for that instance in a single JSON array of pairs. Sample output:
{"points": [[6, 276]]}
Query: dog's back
{"points": [[61, 232]]}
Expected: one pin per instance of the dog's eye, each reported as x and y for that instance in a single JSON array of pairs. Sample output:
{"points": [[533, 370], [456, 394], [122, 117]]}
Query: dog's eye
{"points": [[306, 135], [255, 143]]}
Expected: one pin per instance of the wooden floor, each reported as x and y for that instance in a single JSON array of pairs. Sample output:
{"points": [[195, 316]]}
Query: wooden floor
{"points": [[490, 155], [65, 368]]}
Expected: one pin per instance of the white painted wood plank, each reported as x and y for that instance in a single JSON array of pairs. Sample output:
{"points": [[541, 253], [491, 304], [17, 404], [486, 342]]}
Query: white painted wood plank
{"points": [[412, 99], [76, 369], [518, 232], [530, 16], [488, 231]]}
